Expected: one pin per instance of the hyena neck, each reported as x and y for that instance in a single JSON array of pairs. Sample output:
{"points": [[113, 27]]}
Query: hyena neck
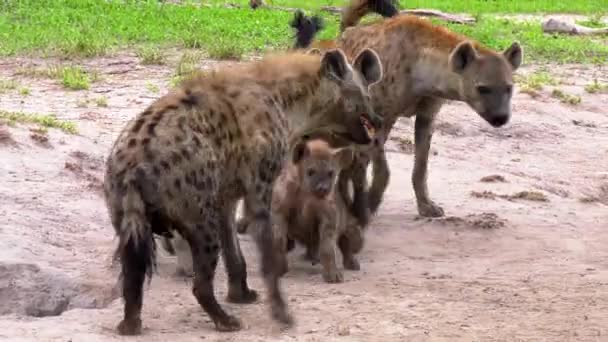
{"points": [[302, 100], [431, 76]]}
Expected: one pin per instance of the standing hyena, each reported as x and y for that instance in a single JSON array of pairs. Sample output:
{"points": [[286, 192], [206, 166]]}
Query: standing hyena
{"points": [[183, 163], [424, 65]]}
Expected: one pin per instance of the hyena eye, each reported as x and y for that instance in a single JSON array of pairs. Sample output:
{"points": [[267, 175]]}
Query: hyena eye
{"points": [[330, 173], [509, 89], [310, 172], [483, 90]]}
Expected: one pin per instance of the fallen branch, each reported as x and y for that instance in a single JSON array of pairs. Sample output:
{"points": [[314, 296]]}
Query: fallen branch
{"points": [[451, 18], [553, 25]]}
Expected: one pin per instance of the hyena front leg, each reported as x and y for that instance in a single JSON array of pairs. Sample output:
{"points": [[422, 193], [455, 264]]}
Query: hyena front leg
{"points": [[423, 132], [357, 174], [258, 200], [327, 251]]}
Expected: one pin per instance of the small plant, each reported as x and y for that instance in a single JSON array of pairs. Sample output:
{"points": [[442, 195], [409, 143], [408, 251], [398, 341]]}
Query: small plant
{"points": [[24, 91], [535, 81], [596, 87], [566, 98], [153, 88], [224, 51], [82, 103], [151, 55], [75, 78], [44, 120], [6, 85], [188, 63], [101, 102], [594, 21]]}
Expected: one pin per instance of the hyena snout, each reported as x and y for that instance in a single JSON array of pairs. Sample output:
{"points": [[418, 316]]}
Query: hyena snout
{"points": [[499, 119], [322, 190]]}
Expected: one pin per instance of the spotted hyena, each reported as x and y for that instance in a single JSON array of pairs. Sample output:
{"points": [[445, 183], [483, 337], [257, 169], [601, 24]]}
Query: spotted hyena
{"points": [[424, 66], [182, 163]]}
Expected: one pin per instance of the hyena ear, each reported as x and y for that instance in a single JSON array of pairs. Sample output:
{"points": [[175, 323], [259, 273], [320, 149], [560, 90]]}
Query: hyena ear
{"points": [[334, 65], [368, 64], [514, 54], [300, 151], [462, 56], [313, 51], [344, 156]]}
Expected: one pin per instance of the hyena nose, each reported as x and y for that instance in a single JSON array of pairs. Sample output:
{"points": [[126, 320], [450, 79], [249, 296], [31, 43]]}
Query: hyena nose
{"points": [[499, 120], [321, 190]]}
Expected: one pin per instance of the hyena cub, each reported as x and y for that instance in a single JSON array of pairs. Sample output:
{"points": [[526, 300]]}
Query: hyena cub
{"points": [[307, 208]]}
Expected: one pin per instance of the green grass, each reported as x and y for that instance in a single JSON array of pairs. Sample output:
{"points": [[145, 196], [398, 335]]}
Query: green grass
{"points": [[75, 78], [44, 120], [71, 28], [459, 6], [151, 55], [536, 81], [7, 85], [565, 98], [596, 87], [71, 77]]}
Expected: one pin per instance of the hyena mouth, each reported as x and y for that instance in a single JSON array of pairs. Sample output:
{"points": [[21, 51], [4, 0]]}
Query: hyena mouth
{"points": [[369, 128]]}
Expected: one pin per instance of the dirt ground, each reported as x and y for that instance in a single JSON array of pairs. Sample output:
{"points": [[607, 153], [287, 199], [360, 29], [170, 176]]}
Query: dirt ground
{"points": [[501, 266]]}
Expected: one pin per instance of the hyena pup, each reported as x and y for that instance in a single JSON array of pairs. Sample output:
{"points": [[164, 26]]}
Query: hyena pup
{"points": [[307, 208]]}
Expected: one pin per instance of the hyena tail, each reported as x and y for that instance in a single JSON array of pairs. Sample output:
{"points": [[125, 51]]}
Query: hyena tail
{"points": [[136, 248], [306, 28], [357, 9]]}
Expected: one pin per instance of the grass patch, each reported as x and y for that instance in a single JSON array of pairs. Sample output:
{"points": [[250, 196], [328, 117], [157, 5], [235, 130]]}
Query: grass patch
{"points": [[460, 6], [596, 87], [6, 85], [151, 55], [565, 98], [101, 101], [538, 46], [594, 21], [153, 88], [75, 78], [43, 120], [92, 27], [186, 66], [534, 82], [71, 77], [24, 91]]}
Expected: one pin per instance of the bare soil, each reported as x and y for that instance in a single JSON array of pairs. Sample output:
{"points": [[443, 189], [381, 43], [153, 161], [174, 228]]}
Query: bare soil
{"points": [[502, 267]]}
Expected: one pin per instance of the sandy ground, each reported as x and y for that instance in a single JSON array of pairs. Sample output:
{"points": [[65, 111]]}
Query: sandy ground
{"points": [[499, 267]]}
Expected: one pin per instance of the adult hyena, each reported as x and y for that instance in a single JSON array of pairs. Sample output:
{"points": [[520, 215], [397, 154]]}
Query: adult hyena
{"points": [[182, 164]]}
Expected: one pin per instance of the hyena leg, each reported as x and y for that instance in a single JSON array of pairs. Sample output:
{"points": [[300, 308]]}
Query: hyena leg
{"points": [[423, 132], [380, 170], [236, 268], [183, 254], [243, 223], [205, 245], [349, 260], [327, 252], [260, 226], [358, 175]]}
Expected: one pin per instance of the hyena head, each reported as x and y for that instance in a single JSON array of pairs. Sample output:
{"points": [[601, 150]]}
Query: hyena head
{"points": [[487, 79], [318, 166], [345, 99]]}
